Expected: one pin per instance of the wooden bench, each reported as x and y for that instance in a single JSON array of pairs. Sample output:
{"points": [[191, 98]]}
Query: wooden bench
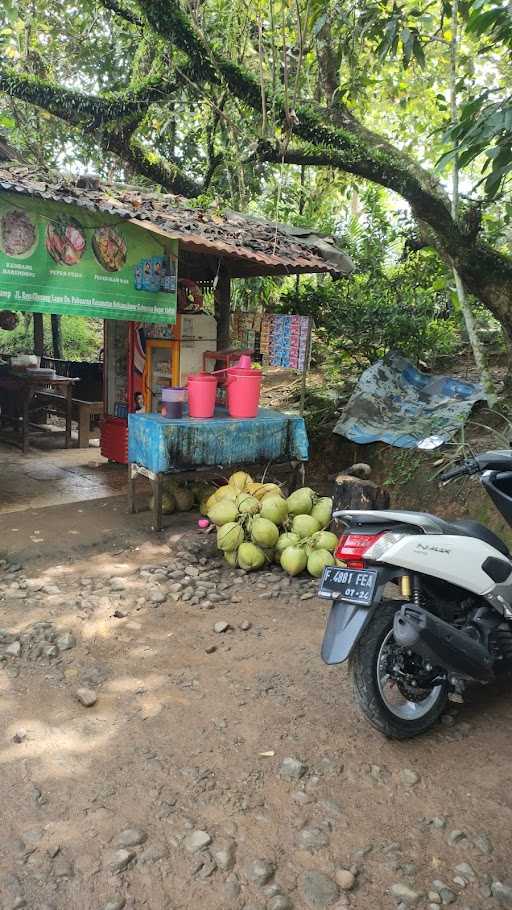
{"points": [[81, 411]]}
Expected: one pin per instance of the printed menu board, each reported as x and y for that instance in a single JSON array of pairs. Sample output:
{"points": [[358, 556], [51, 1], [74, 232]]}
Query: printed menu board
{"points": [[58, 258]]}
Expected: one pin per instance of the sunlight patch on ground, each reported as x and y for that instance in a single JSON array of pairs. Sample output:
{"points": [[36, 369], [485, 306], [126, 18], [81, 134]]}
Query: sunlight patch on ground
{"points": [[61, 748], [130, 683]]}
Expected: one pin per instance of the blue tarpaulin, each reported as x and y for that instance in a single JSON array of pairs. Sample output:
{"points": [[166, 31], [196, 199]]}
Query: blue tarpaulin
{"points": [[395, 403], [162, 444]]}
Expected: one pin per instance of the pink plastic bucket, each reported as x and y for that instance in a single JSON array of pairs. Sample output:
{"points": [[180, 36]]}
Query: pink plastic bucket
{"points": [[244, 388], [244, 362], [202, 389]]}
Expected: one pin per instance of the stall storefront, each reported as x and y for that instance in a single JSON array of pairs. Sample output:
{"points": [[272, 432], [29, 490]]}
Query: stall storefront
{"points": [[141, 261]]}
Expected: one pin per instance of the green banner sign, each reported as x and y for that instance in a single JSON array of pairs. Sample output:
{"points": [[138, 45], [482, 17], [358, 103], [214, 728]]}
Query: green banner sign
{"points": [[58, 258]]}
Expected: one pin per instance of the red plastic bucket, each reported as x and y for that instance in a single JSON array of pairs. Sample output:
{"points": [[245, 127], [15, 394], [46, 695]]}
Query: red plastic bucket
{"points": [[202, 390], [244, 388]]}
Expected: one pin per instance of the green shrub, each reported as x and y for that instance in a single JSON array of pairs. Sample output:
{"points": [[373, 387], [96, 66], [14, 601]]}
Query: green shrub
{"points": [[82, 338], [404, 307]]}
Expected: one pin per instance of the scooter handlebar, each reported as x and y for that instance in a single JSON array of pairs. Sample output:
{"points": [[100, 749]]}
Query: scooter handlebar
{"points": [[459, 470]]}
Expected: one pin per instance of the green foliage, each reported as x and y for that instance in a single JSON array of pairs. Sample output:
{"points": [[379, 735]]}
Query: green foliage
{"points": [[395, 299], [483, 131], [400, 32], [82, 338], [492, 18], [362, 318], [180, 95]]}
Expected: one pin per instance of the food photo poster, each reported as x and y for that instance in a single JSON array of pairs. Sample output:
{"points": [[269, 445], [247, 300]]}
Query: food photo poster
{"points": [[58, 258]]}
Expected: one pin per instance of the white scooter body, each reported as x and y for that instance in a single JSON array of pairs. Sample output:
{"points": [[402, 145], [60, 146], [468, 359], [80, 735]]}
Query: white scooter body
{"points": [[457, 560]]}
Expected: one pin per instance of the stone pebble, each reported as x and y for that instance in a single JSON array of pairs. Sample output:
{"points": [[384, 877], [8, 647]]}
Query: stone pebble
{"points": [[86, 697], [292, 769]]}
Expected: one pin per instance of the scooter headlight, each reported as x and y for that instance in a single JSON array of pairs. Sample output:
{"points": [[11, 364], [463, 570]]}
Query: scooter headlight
{"points": [[384, 543]]}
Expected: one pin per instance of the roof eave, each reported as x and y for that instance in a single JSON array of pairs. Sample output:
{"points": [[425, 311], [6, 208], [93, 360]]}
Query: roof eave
{"points": [[240, 260]]}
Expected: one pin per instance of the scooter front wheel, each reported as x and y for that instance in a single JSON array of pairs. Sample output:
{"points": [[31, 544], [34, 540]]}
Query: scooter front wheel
{"points": [[396, 709]]}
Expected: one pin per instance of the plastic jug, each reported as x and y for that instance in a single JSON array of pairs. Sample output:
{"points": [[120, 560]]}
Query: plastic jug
{"points": [[244, 389], [202, 391], [173, 399]]}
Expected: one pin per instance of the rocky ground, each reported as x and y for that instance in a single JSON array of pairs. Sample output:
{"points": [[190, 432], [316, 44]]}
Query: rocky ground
{"points": [[171, 740]]}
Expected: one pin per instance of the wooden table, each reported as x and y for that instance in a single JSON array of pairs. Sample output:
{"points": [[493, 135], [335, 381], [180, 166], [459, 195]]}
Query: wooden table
{"points": [[160, 445], [16, 395]]}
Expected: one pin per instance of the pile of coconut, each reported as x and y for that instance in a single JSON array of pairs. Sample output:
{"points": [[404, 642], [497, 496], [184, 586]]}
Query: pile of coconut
{"points": [[183, 496], [256, 525]]}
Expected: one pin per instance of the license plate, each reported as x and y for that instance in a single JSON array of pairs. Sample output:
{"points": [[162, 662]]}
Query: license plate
{"points": [[355, 586]]}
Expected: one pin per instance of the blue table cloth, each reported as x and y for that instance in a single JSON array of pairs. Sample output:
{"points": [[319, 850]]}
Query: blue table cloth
{"points": [[162, 444]]}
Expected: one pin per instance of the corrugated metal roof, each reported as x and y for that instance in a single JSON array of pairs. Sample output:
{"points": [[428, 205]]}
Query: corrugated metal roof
{"points": [[249, 243]]}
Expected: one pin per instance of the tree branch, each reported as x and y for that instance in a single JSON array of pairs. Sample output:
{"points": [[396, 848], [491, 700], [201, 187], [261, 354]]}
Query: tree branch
{"points": [[161, 171], [348, 146], [115, 117], [373, 165], [122, 11], [89, 110]]}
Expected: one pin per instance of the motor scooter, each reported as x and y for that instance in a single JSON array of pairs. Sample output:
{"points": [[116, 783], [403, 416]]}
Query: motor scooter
{"points": [[446, 622]]}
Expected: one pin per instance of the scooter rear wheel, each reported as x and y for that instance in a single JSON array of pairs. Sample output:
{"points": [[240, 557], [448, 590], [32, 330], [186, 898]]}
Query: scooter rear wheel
{"points": [[392, 709]]}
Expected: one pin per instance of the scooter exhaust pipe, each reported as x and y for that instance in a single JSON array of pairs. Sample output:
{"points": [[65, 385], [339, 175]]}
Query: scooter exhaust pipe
{"points": [[441, 644]]}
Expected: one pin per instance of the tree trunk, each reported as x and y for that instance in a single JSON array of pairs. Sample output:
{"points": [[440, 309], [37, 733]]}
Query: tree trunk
{"points": [[483, 273], [38, 334], [56, 336], [222, 296]]}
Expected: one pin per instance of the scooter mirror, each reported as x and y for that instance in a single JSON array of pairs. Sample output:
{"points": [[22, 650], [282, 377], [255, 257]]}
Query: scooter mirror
{"points": [[431, 442]]}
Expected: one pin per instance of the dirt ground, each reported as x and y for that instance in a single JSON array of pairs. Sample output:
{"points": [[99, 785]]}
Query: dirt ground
{"points": [[169, 791]]}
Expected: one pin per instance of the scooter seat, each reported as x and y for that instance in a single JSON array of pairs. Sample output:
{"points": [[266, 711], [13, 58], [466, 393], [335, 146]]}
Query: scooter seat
{"points": [[468, 528]]}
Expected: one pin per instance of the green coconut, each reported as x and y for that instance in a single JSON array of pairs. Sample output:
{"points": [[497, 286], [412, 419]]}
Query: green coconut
{"points": [[305, 525], [247, 504], [170, 484], [322, 511], [301, 501], [264, 532], [229, 536], [293, 560], [318, 560], [223, 512], [220, 493], [308, 545], [263, 489], [231, 558], [324, 540], [288, 539], [184, 499], [168, 503], [275, 509], [250, 557], [239, 480]]}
